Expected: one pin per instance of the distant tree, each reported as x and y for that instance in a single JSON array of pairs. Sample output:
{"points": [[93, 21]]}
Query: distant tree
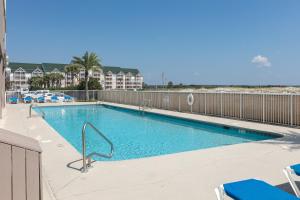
{"points": [[54, 79], [170, 84], [46, 81], [88, 62], [36, 83], [93, 84], [73, 70]]}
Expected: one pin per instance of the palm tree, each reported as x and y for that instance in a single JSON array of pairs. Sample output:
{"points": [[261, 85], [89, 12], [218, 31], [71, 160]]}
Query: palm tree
{"points": [[73, 70], [88, 62], [58, 78], [46, 81], [36, 82], [52, 79]]}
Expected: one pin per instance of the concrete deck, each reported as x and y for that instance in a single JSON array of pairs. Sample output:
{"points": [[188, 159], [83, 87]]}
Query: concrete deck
{"points": [[190, 175]]}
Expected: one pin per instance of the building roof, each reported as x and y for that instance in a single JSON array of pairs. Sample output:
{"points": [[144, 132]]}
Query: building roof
{"points": [[116, 70], [49, 67], [28, 67]]}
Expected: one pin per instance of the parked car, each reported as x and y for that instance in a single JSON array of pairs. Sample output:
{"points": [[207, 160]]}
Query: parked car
{"points": [[60, 96], [24, 91], [48, 96], [37, 95], [28, 93]]}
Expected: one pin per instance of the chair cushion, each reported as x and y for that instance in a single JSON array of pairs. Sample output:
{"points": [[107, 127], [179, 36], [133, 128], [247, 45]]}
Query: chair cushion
{"points": [[253, 189], [296, 169]]}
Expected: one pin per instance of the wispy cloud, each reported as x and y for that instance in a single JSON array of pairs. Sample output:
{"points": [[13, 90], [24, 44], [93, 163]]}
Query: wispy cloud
{"points": [[261, 61]]}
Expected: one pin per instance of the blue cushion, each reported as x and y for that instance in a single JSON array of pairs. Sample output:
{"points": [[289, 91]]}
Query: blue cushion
{"points": [[296, 169], [13, 99], [253, 189]]}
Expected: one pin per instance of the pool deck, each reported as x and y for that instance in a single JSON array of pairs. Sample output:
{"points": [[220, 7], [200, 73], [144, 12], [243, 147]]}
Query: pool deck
{"points": [[189, 175]]}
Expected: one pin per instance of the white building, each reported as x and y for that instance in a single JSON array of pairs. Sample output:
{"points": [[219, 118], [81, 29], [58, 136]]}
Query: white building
{"points": [[110, 78]]}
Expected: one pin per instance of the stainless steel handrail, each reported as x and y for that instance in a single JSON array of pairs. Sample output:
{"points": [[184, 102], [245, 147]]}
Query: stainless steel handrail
{"points": [[88, 157], [34, 105], [144, 104]]}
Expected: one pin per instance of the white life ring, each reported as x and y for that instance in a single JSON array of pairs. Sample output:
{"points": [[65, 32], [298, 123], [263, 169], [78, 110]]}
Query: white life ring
{"points": [[190, 99]]}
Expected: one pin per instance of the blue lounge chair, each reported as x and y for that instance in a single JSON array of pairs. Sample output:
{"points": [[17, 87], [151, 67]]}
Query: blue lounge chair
{"points": [[40, 100], [13, 100], [68, 98], [289, 172], [252, 189], [54, 99], [27, 99]]}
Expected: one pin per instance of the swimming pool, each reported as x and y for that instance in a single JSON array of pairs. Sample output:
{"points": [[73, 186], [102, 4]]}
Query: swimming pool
{"points": [[137, 135]]}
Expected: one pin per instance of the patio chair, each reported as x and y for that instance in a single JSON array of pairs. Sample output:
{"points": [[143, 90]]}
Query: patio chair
{"points": [[40, 100], [252, 189], [27, 99], [289, 172], [54, 99], [13, 100], [68, 98]]}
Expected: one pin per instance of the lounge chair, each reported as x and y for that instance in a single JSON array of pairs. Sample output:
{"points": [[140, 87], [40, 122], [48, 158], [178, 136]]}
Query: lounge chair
{"points": [[40, 100], [68, 98], [27, 99], [252, 189], [54, 99], [13, 100], [289, 172]]}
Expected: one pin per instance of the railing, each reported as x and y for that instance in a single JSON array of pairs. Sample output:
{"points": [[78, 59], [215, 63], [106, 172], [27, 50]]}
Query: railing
{"points": [[89, 157], [36, 106], [282, 109]]}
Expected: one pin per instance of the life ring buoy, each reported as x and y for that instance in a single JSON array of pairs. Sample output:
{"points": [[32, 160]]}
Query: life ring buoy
{"points": [[190, 99]]}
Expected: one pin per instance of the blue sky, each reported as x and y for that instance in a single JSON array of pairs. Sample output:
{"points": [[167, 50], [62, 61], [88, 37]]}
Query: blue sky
{"points": [[199, 42]]}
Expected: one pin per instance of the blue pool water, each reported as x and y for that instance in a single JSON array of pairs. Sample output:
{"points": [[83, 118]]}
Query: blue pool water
{"points": [[136, 136]]}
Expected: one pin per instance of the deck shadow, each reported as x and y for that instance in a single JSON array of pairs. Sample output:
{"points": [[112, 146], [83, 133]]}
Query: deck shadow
{"points": [[287, 187]]}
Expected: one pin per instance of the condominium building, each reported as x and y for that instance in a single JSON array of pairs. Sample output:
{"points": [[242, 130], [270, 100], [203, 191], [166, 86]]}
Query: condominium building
{"points": [[2, 53], [109, 77]]}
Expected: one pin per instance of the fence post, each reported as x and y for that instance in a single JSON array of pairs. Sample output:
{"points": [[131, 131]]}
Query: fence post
{"points": [[205, 103], [264, 110], [192, 106], [221, 102], [179, 109], [240, 106], [291, 111]]}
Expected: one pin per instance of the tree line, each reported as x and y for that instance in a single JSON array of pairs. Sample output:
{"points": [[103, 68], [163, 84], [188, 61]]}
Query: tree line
{"points": [[87, 63]]}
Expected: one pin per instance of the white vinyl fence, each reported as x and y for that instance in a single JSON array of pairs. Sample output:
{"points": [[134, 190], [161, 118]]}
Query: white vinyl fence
{"points": [[283, 109]]}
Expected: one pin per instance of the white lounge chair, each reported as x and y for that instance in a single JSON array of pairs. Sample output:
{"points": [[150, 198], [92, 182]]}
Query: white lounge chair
{"points": [[289, 172]]}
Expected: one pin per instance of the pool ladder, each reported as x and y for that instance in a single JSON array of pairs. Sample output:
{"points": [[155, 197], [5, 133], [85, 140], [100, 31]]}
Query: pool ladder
{"points": [[87, 159], [36, 106], [143, 105]]}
